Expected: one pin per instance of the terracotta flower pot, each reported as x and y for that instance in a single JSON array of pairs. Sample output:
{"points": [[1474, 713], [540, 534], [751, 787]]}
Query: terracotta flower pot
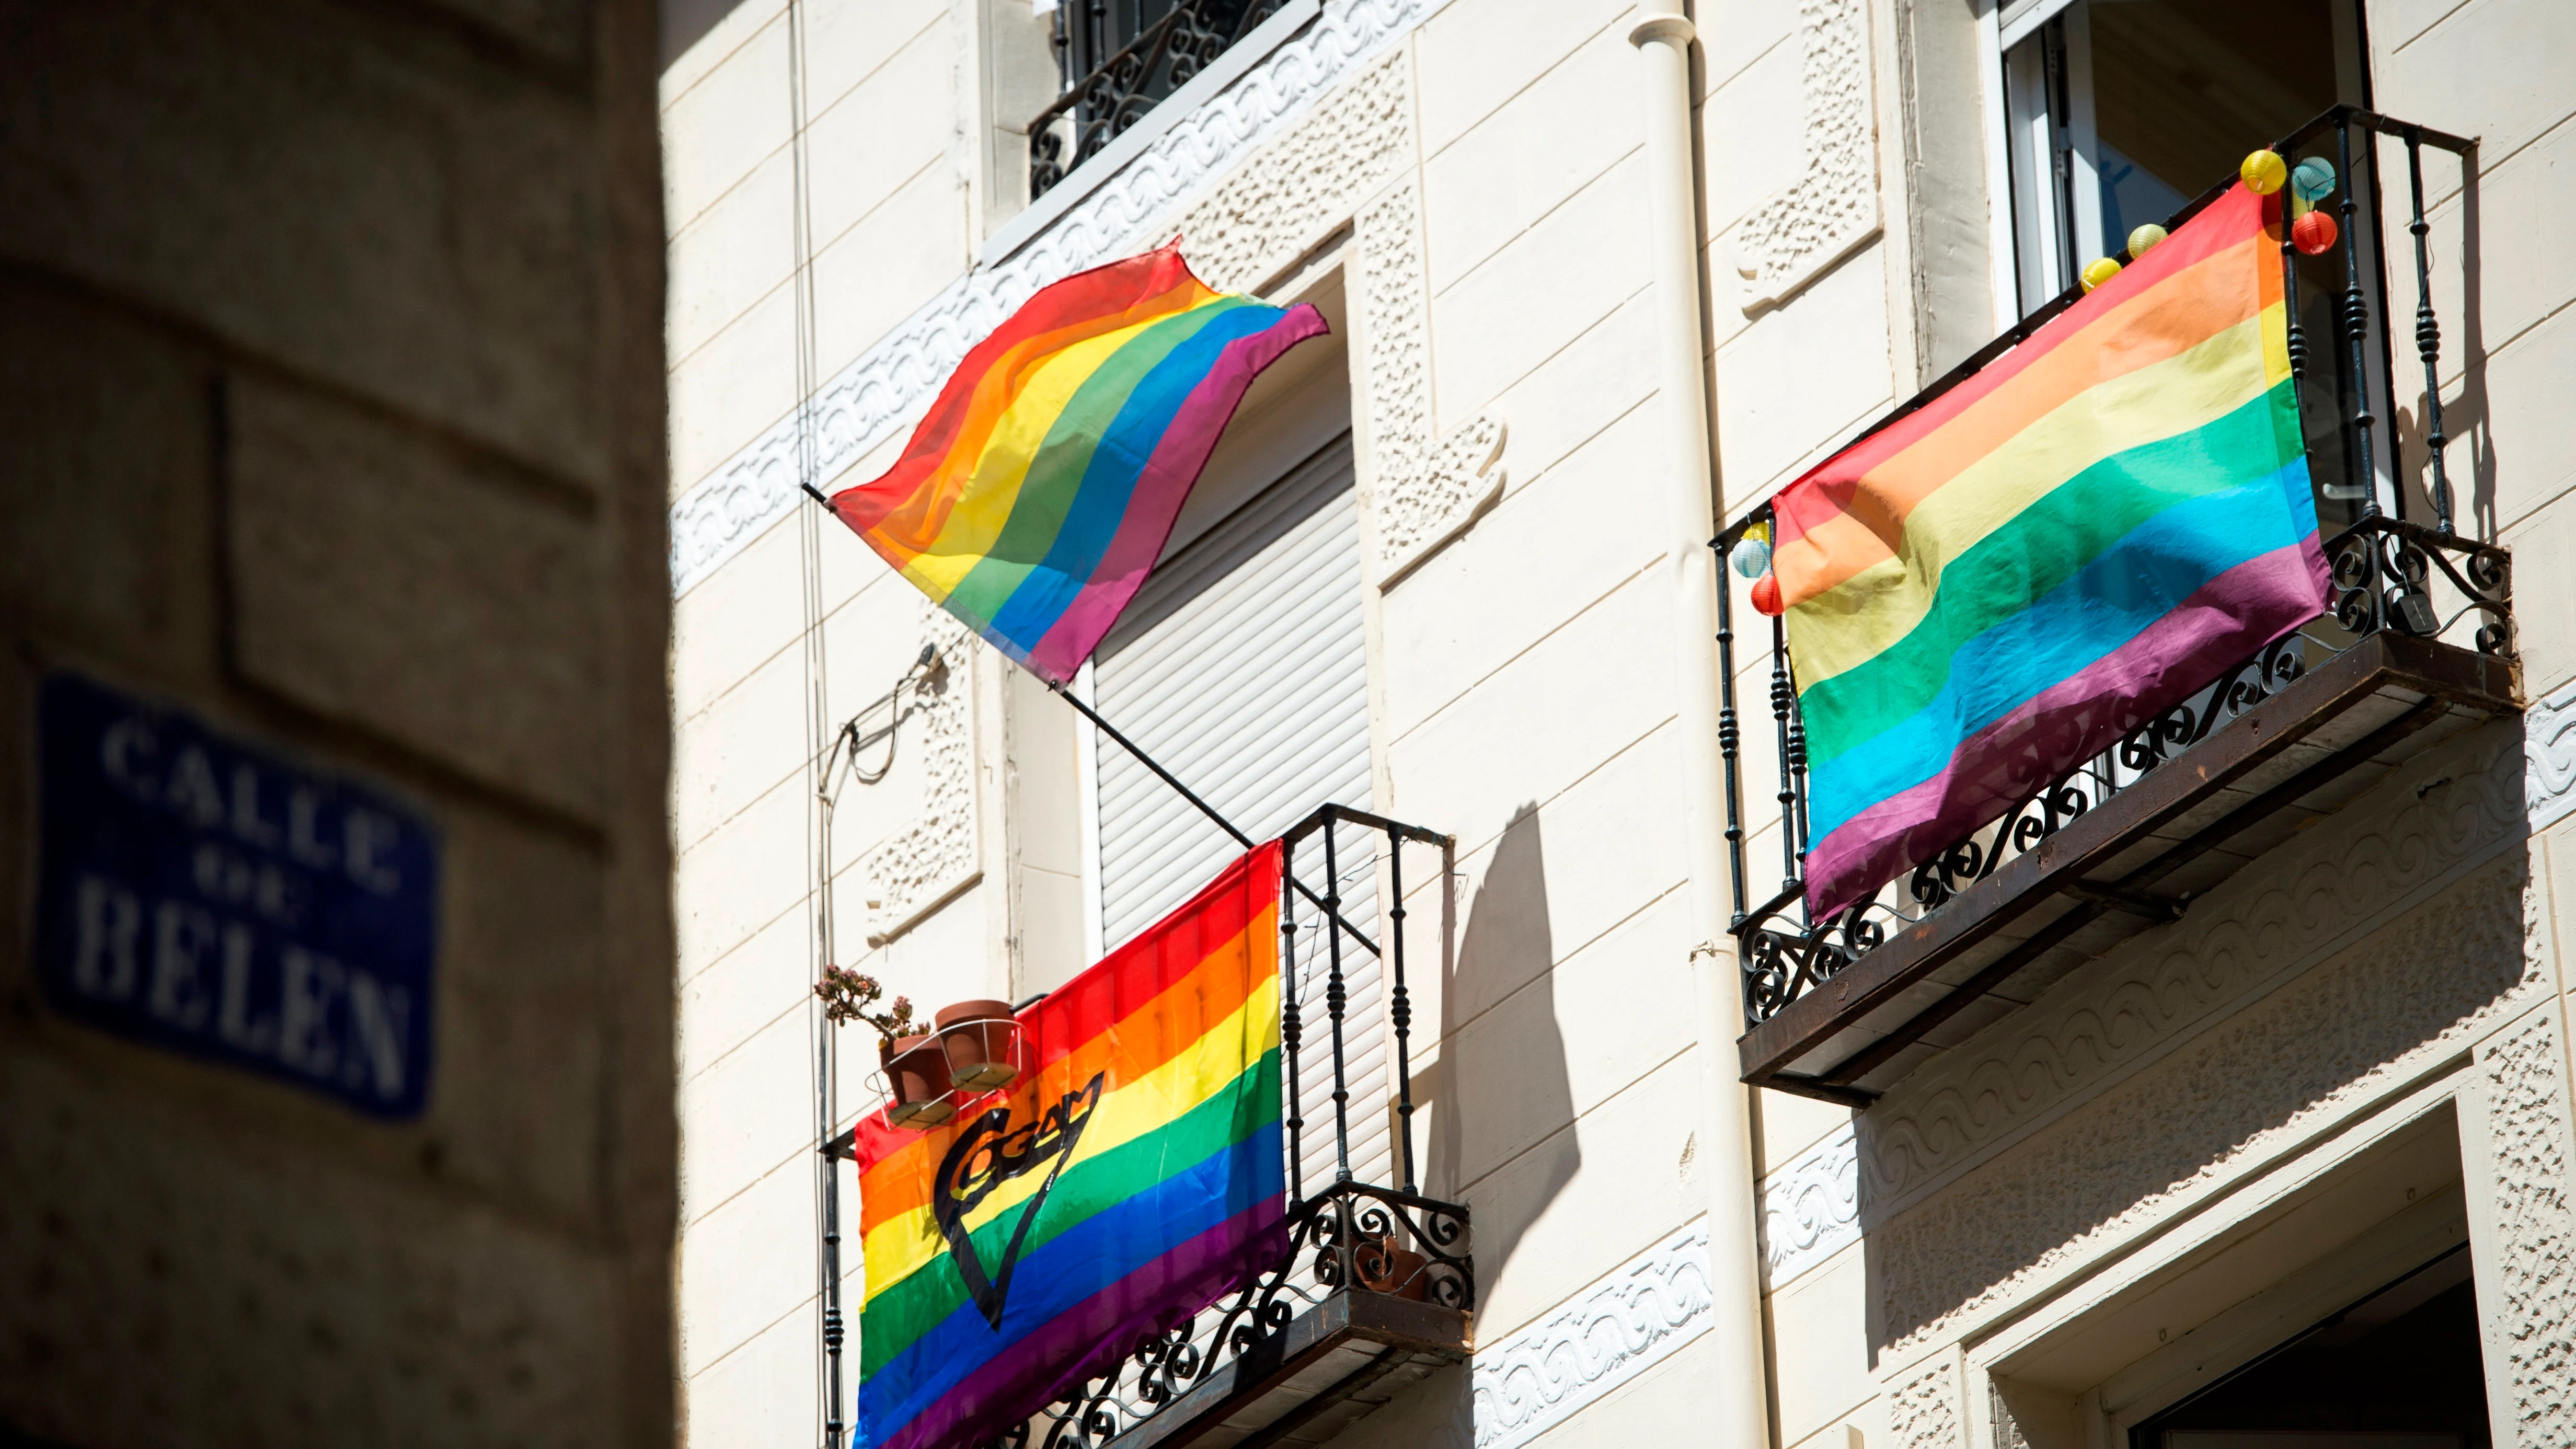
{"points": [[983, 1040], [1385, 1268], [917, 1072]]}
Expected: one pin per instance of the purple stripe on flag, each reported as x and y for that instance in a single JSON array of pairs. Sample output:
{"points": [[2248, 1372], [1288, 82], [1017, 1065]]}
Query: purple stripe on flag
{"points": [[1161, 488], [2226, 619], [1025, 1375]]}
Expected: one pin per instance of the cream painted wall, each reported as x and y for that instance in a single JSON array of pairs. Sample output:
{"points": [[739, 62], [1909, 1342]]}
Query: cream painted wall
{"points": [[1489, 216]]}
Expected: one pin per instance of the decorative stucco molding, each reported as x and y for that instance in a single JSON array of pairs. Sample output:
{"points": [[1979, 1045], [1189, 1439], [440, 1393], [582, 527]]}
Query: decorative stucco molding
{"points": [[1422, 494], [2253, 1083], [891, 382], [1811, 1208], [1923, 1411], [1630, 1320], [2549, 755], [939, 850], [1794, 236], [2325, 889], [2535, 1226]]}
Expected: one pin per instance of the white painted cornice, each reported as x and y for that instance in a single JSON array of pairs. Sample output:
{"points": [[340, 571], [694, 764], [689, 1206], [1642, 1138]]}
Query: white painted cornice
{"points": [[1631, 1319], [887, 386]]}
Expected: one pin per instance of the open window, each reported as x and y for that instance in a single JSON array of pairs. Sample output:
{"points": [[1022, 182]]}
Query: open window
{"points": [[2118, 113]]}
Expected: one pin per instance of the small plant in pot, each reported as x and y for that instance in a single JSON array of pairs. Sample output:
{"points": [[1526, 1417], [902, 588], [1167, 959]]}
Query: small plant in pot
{"points": [[916, 1066], [982, 1038]]}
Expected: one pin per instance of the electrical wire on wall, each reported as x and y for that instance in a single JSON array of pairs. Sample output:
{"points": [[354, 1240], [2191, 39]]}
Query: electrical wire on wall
{"points": [[820, 746]]}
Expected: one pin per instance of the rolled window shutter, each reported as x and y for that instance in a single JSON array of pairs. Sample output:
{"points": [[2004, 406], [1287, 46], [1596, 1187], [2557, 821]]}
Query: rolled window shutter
{"points": [[1242, 665]]}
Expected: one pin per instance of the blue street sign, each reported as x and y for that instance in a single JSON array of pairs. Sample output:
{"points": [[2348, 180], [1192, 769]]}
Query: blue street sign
{"points": [[210, 898]]}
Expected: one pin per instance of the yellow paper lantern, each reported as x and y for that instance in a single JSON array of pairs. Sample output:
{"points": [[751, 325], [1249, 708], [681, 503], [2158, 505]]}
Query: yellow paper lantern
{"points": [[2143, 238], [2100, 270], [2263, 172]]}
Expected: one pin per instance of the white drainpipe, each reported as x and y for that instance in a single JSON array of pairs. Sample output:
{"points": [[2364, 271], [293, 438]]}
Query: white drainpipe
{"points": [[1739, 1407]]}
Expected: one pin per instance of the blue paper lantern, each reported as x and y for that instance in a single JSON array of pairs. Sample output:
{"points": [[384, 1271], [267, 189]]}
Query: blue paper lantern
{"points": [[2313, 179], [1751, 558]]}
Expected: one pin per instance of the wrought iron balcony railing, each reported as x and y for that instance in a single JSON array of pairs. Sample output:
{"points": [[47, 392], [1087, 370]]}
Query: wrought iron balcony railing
{"points": [[1374, 1284], [1114, 71], [2416, 645]]}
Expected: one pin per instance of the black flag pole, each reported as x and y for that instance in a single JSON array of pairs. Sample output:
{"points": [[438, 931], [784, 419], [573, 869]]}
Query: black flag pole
{"points": [[1197, 801]]}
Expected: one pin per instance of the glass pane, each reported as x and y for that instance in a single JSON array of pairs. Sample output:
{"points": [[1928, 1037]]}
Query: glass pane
{"points": [[2182, 89]]}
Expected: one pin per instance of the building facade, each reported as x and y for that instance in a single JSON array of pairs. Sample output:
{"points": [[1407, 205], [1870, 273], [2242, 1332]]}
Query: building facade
{"points": [[336, 1075], [2226, 1096]]}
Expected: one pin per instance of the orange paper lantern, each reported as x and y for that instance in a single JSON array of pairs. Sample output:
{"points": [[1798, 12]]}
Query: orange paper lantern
{"points": [[2313, 233]]}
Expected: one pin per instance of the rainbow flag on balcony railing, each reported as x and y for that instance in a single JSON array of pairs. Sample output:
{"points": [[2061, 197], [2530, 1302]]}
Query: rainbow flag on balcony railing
{"points": [[1996, 587], [1038, 492], [1129, 1179]]}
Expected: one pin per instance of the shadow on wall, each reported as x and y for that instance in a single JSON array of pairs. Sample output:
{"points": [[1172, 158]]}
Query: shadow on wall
{"points": [[1503, 1138], [2291, 982], [686, 22]]}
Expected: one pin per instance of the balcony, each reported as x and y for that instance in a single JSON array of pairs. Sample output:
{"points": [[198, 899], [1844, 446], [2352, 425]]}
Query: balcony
{"points": [[1113, 70], [1375, 1286], [2415, 648]]}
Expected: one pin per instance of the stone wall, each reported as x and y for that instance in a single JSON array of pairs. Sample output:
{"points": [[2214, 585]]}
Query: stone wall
{"points": [[331, 413]]}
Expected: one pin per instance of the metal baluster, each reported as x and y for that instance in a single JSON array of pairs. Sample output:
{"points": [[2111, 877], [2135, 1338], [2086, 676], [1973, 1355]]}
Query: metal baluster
{"points": [[1726, 738], [1400, 1008], [2428, 333], [2298, 342], [1288, 1017], [2356, 327], [1780, 702], [1334, 999]]}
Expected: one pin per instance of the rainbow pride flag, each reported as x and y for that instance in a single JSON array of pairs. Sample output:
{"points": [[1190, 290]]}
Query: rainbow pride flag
{"points": [[1042, 486], [1998, 586], [1130, 1178]]}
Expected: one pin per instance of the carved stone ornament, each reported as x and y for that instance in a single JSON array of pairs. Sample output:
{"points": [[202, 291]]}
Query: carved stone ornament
{"points": [[2549, 753], [1632, 1319], [1265, 212], [2277, 1071], [1923, 1411], [1811, 1208], [2305, 985], [938, 851], [1796, 234], [2527, 1135], [1421, 495], [2315, 896]]}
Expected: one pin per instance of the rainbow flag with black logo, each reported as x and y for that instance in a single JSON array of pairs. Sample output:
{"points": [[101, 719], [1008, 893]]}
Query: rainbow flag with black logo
{"points": [[1996, 587], [1129, 1179], [1042, 486]]}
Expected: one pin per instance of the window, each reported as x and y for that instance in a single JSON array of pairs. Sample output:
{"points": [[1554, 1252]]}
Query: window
{"points": [[2118, 113]]}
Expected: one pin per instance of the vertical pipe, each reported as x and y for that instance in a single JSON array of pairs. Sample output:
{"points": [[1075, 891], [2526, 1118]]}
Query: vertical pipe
{"points": [[2428, 333], [1334, 999], [1400, 1011], [1288, 1019], [1737, 1398]]}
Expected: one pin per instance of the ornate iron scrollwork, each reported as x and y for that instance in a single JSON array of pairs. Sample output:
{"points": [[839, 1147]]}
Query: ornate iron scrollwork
{"points": [[1096, 108], [1325, 1234]]}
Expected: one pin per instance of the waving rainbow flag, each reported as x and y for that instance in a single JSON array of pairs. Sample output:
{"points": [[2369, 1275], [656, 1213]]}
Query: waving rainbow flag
{"points": [[1995, 588], [1126, 1182], [1040, 489]]}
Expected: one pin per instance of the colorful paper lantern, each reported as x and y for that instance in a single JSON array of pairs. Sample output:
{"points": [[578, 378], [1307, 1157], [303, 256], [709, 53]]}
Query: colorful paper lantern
{"points": [[2313, 233], [2098, 271], [2143, 238], [2263, 172], [1751, 558], [2312, 179], [1766, 594]]}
